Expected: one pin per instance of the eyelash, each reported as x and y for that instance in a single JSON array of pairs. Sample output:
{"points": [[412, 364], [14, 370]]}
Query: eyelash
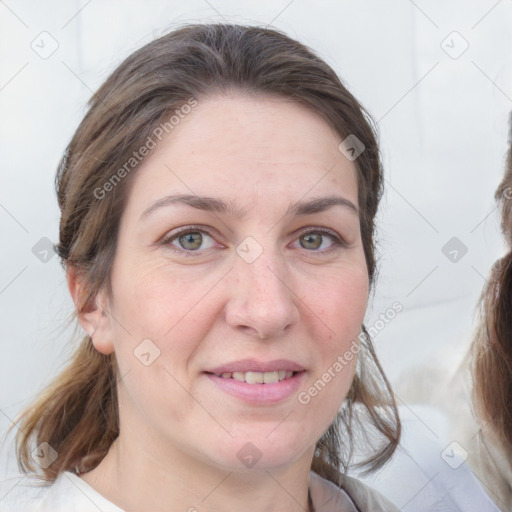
{"points": [[337, 240]]}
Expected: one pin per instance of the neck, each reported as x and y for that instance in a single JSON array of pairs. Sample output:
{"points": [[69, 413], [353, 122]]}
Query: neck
{"points": [[136, 479]]}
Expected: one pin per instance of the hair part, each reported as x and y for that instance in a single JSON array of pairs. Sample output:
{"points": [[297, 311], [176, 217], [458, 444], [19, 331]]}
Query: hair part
{"points": [[78, 413]]}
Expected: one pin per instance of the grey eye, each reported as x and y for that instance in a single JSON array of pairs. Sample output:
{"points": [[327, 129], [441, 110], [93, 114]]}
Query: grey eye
{"points": [[191, 241], [311, 240]]}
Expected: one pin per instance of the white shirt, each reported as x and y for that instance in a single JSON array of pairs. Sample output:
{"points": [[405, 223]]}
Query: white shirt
{"points": [[69, 493]]}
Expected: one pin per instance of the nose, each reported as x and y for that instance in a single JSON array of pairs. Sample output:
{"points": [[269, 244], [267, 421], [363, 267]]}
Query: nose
{"points": [[262, 302]]}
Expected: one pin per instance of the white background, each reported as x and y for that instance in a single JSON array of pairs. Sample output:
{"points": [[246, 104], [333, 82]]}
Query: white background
{"points": [[443, 131]]}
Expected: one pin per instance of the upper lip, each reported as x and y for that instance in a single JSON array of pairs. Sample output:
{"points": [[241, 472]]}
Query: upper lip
{"points": [[253, 365]]}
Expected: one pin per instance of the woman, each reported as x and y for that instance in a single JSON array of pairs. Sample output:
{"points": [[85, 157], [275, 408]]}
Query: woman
{"points": [[489, 443], [217, 221]]}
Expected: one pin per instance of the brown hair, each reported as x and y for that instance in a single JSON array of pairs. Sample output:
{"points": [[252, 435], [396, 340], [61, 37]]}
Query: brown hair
{"points": [[78, 413], [492, 344]]}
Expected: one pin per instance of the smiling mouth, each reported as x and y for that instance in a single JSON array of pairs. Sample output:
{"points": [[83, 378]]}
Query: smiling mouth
{"points": [[257, 377]]}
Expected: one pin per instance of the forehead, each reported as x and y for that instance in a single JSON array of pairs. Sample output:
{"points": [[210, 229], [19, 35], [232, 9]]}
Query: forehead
{"points": [[247, 147]]}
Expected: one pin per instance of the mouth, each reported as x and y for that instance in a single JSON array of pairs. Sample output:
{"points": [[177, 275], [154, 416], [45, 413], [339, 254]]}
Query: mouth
{"points": [[253, 377], [259, 388]]}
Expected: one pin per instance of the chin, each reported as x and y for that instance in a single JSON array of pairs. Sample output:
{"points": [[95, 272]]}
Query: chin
{"points": [[262, 452]]}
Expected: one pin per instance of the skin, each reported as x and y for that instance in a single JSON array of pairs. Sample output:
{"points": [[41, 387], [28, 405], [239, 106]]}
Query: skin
{"points": [[180, 434]]}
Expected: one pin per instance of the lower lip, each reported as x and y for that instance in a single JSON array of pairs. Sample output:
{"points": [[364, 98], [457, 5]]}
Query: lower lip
{"points": [[260, 393]]}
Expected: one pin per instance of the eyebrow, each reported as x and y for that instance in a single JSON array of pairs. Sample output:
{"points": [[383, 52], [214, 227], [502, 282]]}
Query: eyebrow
{"points": [[212, 204]]}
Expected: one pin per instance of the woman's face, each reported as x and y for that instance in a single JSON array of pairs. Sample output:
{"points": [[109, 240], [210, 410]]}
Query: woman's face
{"points": [[239, 250]]}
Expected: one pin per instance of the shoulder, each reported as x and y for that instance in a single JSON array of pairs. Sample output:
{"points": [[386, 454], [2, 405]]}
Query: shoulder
{"points": [[69, 493], [366, 498], [491, 462], [487, 457], [353, 496], [21, 493]]}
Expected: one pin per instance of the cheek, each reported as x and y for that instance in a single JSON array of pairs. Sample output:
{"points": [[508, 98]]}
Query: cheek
{"points": [[340, 309], [160, 304], [158, 299], [341, 304]]}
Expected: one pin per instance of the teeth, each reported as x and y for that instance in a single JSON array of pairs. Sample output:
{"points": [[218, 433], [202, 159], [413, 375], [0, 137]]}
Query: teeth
{"points": [[258, 377], [255, 377], [270, 377]]}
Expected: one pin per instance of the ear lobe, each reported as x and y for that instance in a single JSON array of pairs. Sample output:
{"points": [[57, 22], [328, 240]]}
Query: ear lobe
{"points": [[91, 315]]}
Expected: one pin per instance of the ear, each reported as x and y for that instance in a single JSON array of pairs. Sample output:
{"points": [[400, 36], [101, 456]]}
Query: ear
{"points": [[93, 316]]}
